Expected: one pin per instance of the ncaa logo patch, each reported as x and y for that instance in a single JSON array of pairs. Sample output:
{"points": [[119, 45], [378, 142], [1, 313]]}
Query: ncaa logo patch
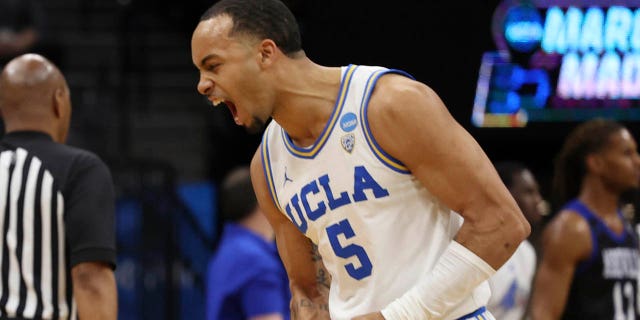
{"points": [[348, 142], [348, 122]]}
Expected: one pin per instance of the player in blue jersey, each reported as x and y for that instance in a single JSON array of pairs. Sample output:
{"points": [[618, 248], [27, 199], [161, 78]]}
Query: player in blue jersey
{"points": [[589, 267], [407, 212]]}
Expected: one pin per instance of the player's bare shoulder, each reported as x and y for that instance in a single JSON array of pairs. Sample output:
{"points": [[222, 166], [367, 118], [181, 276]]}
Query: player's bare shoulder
{"points": [[397, 113], [569, 234], [395, 93]]}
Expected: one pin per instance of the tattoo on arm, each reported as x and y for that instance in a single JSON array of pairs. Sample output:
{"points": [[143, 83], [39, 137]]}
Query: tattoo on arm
{"points": [[315, 254], [323, 277], [306, 303]]}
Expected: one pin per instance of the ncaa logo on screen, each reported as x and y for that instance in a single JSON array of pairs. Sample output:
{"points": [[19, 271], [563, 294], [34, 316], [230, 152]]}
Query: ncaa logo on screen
{"points": [[348, 122]]}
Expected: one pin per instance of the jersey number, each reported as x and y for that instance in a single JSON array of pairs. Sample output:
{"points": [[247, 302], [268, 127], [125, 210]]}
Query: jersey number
{"points": [[623, 292], [352, 250]]}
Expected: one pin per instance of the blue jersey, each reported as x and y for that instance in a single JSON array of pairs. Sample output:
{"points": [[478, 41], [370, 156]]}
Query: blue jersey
{"points": [[605, 286], [376, 226], [246, 278]]}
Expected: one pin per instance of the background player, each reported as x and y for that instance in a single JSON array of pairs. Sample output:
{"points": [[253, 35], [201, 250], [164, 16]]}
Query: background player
{"points": [[589, 267], [511, 285]]}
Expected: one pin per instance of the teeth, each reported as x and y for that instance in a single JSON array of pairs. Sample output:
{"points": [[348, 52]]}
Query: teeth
{"points": [[216, 101]]}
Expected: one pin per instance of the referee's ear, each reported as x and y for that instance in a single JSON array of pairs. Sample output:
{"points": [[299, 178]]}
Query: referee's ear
{"points": [[58, 103], [62, 104], [61, 113]]}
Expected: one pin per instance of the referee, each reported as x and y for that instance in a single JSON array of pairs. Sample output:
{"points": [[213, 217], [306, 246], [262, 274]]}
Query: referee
{"points": [[57, 237]]}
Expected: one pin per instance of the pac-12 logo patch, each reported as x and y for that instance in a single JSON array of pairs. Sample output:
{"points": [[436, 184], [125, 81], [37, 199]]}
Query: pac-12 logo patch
{"points": [[348, 141], [348, 122]]}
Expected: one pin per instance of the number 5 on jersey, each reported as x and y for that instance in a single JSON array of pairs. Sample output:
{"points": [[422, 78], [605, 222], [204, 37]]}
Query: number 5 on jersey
{"points": [[351, 250]]}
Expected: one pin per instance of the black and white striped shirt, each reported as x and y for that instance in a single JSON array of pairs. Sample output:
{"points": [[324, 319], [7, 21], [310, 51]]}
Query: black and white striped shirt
{"points": [[56, 211]]}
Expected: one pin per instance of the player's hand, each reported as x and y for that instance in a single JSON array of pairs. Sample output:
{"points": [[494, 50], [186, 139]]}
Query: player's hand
{"points": [[370, 316]]}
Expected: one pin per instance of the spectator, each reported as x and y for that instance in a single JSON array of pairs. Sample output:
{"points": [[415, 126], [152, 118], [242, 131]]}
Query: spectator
{"points": [[245, 278]]}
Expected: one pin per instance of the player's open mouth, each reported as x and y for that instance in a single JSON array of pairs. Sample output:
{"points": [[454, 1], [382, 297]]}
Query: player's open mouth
{"points": [[232, 108], [215, 101]]}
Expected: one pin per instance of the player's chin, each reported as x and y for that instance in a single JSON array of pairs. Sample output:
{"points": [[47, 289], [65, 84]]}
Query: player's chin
{"points": [[631, 188], [255, 125]]}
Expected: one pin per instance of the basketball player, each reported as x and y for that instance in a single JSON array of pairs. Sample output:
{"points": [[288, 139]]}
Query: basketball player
{"points": [[589, 267], [365, 162]]}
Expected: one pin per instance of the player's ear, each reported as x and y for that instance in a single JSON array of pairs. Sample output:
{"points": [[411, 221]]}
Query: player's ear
{"points": [[268, 50], [594, 163]]}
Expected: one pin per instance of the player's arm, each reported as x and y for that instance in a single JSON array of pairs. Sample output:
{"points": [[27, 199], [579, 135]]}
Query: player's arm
{"points": [[410, 122], [308, 279], [94, 290], [566, 242]]}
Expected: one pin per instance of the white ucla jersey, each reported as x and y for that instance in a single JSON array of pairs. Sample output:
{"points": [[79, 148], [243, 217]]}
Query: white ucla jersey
{"points": [[377, 228], [511, 284]]}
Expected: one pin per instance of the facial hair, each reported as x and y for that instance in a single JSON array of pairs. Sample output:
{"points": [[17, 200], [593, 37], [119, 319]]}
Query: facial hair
{"points": [[256, 125]]}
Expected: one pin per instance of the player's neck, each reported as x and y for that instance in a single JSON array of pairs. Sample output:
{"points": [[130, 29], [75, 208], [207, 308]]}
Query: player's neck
{"points": [[599, 198], [306, 101]]}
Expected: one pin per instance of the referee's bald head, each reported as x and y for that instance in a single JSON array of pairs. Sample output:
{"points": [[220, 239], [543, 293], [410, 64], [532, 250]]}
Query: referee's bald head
{"points": [[34, 96]]}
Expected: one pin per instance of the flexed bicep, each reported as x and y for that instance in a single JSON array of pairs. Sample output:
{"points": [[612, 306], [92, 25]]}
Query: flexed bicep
{"points": [[412, 124]]}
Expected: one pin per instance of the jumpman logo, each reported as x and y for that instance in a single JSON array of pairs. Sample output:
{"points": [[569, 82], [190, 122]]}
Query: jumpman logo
{"points": [[286, 178]]}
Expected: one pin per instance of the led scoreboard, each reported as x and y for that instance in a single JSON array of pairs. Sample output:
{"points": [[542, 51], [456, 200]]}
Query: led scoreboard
{"points": [[560, 61]]}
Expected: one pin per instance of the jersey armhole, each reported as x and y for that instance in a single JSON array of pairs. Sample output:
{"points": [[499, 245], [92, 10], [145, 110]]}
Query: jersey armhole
{"points": [[266, 167], [386, 159]]}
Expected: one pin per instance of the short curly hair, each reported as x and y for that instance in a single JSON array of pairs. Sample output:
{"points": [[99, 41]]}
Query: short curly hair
{"points": [[263, 19]]}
